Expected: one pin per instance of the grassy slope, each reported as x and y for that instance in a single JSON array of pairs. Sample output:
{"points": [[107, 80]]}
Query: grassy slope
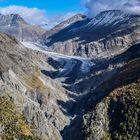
{"points": [[13, 125]]}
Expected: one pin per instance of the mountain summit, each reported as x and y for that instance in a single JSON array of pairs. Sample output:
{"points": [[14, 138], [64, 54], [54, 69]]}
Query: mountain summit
{"points": [[15, 25], [63, 25]]}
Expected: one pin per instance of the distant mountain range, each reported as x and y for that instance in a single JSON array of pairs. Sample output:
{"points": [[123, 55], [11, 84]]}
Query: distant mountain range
{"points": [[107, 33]]}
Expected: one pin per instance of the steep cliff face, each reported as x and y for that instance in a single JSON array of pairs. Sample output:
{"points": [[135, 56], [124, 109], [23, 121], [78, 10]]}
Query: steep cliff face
{"points": [[105, 35], [15, 25], [116, 116]]}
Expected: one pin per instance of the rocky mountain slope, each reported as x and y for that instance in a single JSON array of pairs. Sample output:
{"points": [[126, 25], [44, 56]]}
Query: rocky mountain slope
{"points": [[104, 35], [27, 83], [16, 26], [51, 96], [63, 25], [22, 85]]}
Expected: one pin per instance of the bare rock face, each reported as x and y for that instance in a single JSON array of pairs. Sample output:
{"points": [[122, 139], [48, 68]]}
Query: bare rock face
{"points": [[107, 34], [98, 128], [15, 25]]}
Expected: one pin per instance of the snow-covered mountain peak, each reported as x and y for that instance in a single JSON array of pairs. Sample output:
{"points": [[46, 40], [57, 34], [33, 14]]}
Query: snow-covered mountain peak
{"points": [[109, 17]]}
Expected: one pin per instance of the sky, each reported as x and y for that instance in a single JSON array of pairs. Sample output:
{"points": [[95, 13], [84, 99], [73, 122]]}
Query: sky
{"points": [[52, 12], [52, 7], [96, 6], [40, 12]]}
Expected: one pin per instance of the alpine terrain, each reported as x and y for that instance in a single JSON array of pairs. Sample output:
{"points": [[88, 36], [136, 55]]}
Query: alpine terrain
{"points": [[77, 81]]}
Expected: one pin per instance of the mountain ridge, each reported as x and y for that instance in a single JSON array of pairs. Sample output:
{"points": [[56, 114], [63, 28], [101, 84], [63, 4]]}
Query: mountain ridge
{"points": [[63, 24], [90, 37]]}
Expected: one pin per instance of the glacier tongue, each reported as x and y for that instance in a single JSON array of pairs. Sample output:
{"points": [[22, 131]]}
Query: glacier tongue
{"points": [[70, 61]]}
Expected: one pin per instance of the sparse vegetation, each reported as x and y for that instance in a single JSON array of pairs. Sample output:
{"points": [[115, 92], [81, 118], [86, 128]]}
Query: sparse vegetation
{"points": [[124, 112], [34, 82], [12, 124]]}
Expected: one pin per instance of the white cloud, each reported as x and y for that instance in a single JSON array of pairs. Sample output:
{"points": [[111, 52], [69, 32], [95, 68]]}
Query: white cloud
{"points": [[95, 6], [31, 15], [35, 16]]}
